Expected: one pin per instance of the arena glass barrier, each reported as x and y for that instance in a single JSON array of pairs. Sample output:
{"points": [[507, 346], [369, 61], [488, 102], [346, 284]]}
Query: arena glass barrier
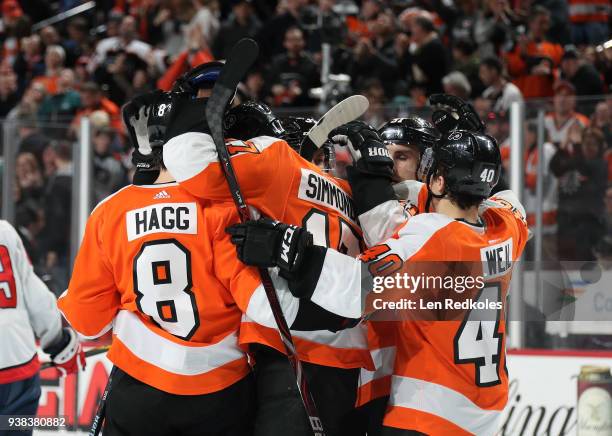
{"points": [[550, 350], [39, 197]]}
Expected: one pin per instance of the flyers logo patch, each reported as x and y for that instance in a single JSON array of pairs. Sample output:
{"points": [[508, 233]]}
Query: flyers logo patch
{"points": [[409, 208], [238, 147]]}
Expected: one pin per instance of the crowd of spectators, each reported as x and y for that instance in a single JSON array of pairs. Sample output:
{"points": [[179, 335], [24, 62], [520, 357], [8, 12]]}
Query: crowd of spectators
{"points": [[493, 52]]}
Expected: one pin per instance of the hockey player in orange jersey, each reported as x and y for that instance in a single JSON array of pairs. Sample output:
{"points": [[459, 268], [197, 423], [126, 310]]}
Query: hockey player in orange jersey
{"points": [[146, 269], [280, 184], [449, 376], [406, 139]]}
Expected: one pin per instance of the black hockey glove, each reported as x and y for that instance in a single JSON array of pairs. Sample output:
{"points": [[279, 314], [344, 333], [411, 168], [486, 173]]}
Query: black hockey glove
{"points": [[370, 176], [369, 153], [454, 113], [266, 243]]}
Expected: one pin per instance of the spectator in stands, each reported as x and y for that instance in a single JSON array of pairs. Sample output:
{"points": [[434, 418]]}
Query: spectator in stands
{"points": [[429, 56], [358, 25], [558, 30], [28, 105], [29, 62], [57, 210], [194, 54], [63, 105], [30, 139], [108, 48], [602, 119], [164, 24], [583, 75], [205, 20], [589, 21], [77, 42], [55, 55], [493, 27], [498, 90], [375, 56], [80, 70], [29, 178], [119, 75], [549, 201], [292, 74], [254, 85], [50, 36], [532, 61], [455, 83], [271, 37], [466, 61], [29, 222], [462, 24], [375, 93], [14, 26], [92, 100], [242, 23], [109, 174], [9, 92], [564, 115], [583, 176]]}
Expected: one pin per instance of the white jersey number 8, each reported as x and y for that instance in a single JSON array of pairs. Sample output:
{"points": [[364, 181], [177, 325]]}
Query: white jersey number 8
{"points": [[162, 282]]}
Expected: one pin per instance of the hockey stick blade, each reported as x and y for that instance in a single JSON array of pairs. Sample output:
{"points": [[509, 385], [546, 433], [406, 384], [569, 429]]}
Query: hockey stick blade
{"points": [[347, 110], [241, 58]]}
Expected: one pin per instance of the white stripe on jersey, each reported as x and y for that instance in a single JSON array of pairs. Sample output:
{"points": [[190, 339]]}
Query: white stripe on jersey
{"points": [[446, 403], [172, 356]]}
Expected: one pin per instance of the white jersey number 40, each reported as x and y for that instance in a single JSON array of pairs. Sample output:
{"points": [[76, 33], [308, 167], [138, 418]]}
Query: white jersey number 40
{"points": [[162, 282], [478, 340]]}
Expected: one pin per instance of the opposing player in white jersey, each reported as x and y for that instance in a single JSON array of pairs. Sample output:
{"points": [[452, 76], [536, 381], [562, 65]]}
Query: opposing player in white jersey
{"points": [[28, 311]]}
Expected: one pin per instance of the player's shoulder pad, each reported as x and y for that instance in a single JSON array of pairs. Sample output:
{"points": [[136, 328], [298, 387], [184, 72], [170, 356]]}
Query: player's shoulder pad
{"points": [[504, 200]]}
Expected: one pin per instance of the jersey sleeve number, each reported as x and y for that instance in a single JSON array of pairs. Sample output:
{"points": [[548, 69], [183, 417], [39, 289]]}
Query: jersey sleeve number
{"points": [[478, 340], [163, 285], [8, 290]]}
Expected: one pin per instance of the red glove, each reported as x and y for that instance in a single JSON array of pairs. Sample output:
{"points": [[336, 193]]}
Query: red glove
{"points": [[67, 355]]}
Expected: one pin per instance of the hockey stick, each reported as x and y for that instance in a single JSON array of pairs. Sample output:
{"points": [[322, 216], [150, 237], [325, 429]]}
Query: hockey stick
{"points": [[347, 110], [241, 58], [96, 424], [88, 353]]}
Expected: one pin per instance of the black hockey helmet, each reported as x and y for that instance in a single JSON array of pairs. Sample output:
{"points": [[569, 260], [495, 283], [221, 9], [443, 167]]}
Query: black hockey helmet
{"points": [[203, 76], [296, 129], [251, 119], [471, 162], [411, 130]]}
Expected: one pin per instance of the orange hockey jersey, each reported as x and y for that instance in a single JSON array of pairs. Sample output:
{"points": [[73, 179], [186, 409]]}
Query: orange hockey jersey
{"points": [[279, 184], [145, 269], [449, 376], [378, 225]]}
